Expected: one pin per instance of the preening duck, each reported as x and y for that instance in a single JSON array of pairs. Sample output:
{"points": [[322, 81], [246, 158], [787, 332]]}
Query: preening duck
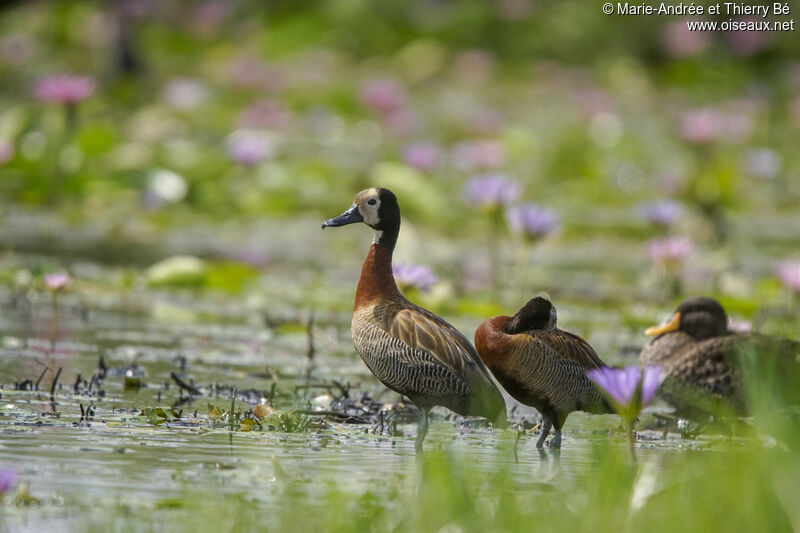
{"points": [[408, 348], [702, 362], [541, 365]]}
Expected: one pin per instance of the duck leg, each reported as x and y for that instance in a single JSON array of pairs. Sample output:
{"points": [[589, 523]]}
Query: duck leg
{"points": [[422, 428], [546, 426], [555, 442], [558, 423]]}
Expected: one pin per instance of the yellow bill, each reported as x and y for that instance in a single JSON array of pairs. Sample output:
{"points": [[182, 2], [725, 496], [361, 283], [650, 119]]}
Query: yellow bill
{"points": [[672, 325]]}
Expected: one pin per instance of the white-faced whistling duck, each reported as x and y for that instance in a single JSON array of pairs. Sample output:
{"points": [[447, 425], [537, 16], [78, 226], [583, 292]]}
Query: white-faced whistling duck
{"points": [[408, 348], [541, 365], [702, 359]]}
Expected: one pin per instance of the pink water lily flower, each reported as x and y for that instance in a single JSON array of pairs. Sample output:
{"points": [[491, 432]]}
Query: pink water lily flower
{"points": [[789, 274], [57, 281], [670, 251], [64, 89]]}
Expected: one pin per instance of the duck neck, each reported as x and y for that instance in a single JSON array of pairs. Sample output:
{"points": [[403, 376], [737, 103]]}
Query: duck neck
{"points": [[377, 281], [492, 341]]}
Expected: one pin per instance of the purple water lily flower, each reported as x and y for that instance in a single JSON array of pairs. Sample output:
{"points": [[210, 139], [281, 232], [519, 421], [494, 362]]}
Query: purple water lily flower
{"points": [[491, 190], [651, 380], [670, 251], [789, 274], [629, 390], [618, 383], [423, 156], [532, 220], [621, 385], [8, 478], [414, 276], [57, 281], [662, 212], [249, 147], [64, 89]]}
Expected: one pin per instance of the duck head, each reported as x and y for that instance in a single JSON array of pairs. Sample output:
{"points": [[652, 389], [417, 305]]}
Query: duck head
{"points": [[700, 317], [377, 208], [538, 313]]}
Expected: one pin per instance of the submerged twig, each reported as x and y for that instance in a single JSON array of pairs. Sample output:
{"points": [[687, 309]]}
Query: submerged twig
{"points": [[40, 377], [344, 389], [310, 336], [185, 386], [232, 415], [101, 364], [55, 382]]}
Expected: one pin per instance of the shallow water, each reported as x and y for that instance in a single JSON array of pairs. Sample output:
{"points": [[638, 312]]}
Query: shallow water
{"points": [[116, 455]]}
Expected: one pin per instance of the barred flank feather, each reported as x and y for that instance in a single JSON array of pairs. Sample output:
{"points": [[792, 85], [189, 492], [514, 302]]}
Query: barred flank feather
{"points": [[545, 369], [421, 356]]}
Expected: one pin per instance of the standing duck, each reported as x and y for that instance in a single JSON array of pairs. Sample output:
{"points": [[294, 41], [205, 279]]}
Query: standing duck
{"points": [[541, 365], [702, 372], [408, 348]]}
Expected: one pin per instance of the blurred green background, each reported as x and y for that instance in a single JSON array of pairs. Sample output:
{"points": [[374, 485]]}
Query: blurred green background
{"points": [[222, 129]]}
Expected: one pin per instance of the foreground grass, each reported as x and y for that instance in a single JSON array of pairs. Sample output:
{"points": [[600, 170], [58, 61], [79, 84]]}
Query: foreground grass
{"points": [[744, 484]]}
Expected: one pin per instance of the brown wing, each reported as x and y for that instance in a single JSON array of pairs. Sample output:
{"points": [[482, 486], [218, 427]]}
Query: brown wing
{"points": [[570, 347], [422, 330], [431, 345]]}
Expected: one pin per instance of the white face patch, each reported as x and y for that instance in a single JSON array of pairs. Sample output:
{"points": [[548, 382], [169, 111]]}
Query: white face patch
{"points": [[553, 318], [369, 210]]}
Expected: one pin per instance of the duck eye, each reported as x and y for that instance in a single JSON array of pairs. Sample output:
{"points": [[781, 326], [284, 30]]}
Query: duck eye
{"points": [[372, 201]]}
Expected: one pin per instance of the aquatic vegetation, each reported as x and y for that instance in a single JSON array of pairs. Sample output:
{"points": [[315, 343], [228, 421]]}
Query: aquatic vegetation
{"points": [[789, 274], [249, 147], [668, 255], [423, 156], [491, 191], [56, 282], [663, 212], [177, 271], [185, 94], [8, 479], [383, 96], [763, 163], [531, 220], [670, 251], [629, 390], [420, 277], [6, 151], [471, 156], [64, 89]]}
